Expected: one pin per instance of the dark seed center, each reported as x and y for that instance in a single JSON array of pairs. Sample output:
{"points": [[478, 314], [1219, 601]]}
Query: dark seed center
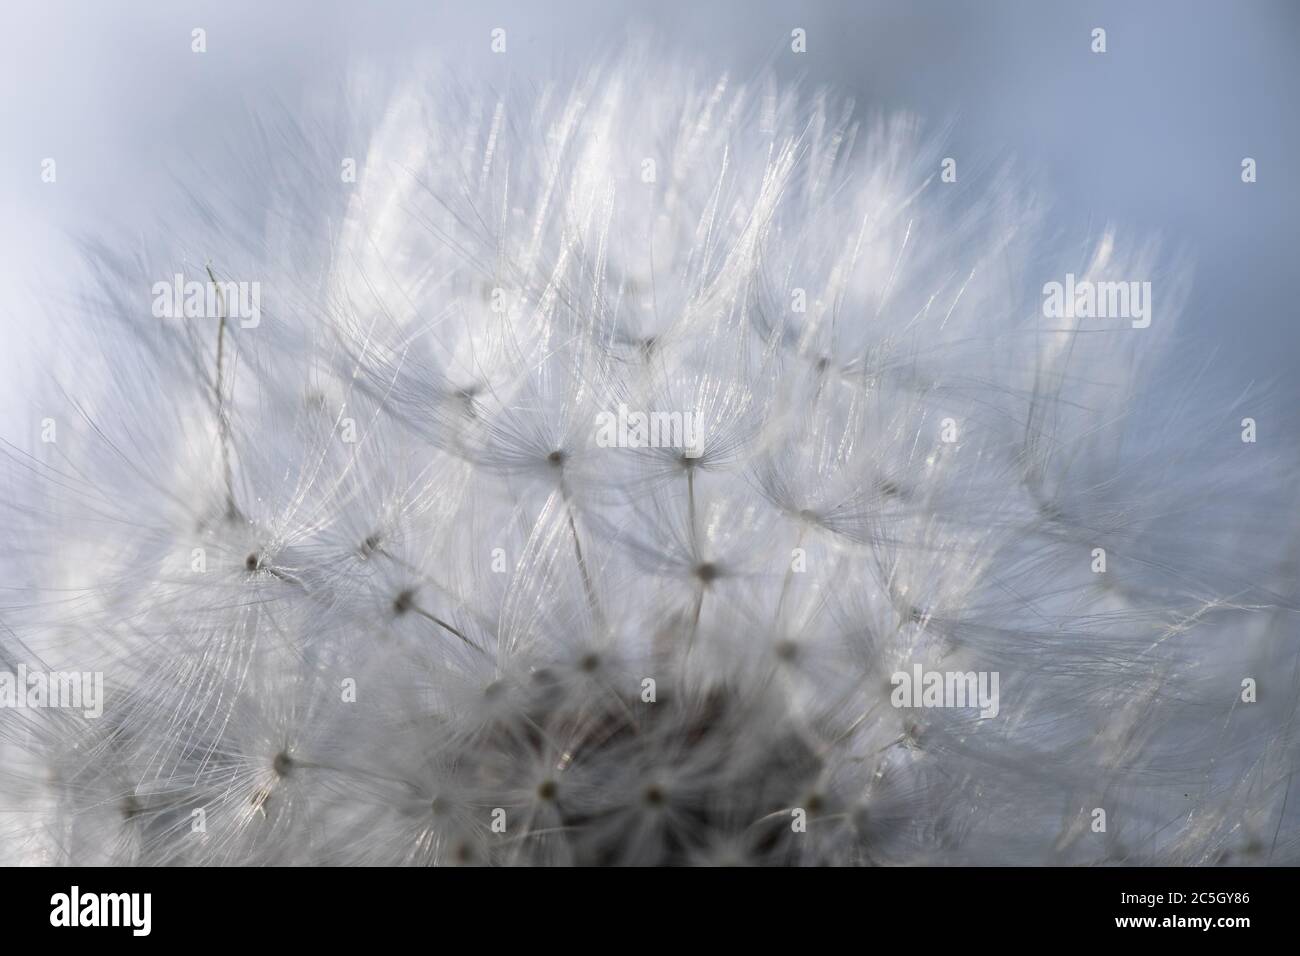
{"points": [[404, 602]]}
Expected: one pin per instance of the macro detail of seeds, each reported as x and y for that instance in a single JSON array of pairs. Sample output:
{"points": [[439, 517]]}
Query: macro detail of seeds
{"points": [[660, 462]]}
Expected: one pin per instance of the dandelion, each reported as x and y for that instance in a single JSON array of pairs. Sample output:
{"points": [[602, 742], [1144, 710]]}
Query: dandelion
{"points": [[365, 588]]}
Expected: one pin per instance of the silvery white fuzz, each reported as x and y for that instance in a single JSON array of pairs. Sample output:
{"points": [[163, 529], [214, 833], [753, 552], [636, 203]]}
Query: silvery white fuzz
{"points": [[647, 469]]}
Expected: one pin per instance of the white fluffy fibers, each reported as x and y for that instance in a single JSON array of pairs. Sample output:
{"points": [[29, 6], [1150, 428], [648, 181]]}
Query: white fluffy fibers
{"points": [[589, 479]]}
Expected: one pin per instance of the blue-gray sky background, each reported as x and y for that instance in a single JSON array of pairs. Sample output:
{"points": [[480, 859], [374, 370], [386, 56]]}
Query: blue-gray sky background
{"points": [[1149, 136]]}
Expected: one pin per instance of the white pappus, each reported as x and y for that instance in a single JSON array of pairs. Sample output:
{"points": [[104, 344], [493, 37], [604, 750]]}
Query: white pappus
{"points": [[365, 587]]}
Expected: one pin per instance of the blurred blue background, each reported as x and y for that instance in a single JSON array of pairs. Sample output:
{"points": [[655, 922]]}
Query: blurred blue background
{"points": [[1149, 136]]}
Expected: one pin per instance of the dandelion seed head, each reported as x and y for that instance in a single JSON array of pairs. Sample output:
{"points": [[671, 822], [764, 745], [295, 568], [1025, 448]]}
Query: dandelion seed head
{"points": [[369, 589]]}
